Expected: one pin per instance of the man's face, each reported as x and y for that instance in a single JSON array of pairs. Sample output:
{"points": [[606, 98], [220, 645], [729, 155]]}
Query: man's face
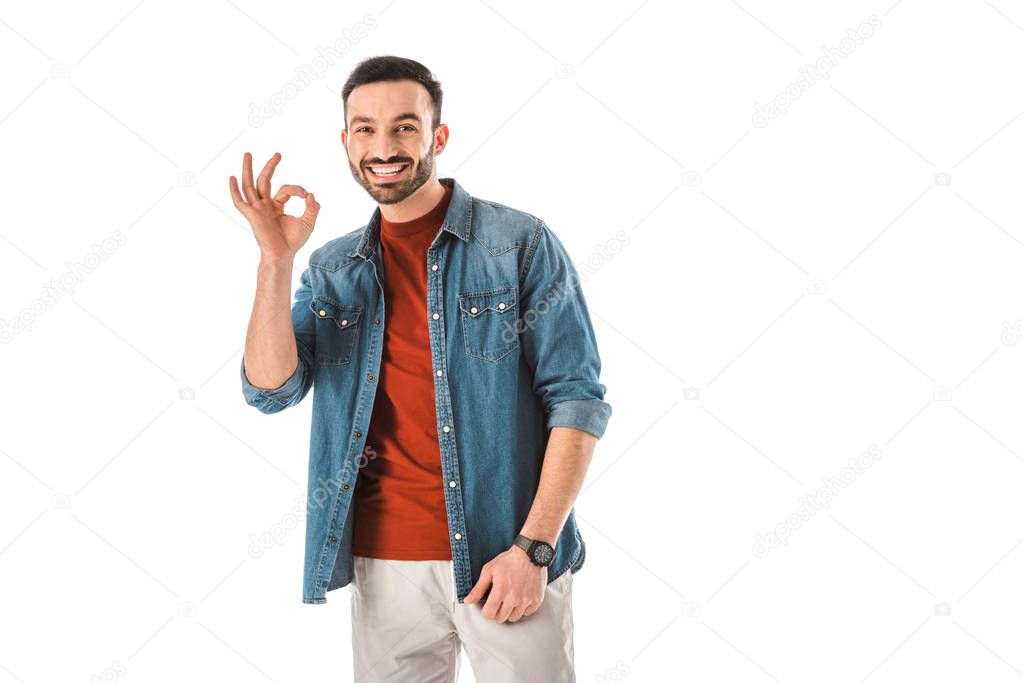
{"points": [[388, 130]]}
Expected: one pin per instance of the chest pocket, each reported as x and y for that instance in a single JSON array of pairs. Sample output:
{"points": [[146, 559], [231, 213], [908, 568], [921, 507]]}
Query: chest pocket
{"points": [[337, 326], [489, 322]]}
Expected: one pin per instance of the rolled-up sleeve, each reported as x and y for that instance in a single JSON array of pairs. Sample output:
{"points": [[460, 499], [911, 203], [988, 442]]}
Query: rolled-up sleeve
{"points": [[295, 388], [558, 341]]}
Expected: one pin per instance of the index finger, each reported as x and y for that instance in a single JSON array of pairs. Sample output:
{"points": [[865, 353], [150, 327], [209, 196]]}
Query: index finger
{"points": [[263, 182]]}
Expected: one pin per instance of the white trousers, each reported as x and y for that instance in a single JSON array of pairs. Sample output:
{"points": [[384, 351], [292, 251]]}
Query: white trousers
{"points": [[408, 626]]}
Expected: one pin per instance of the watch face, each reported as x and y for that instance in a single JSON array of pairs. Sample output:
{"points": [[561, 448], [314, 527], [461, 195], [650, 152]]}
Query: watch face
{"points": [[543, 554]]}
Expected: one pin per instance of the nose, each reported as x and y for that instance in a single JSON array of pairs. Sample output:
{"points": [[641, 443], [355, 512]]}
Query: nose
{"points": [[384, 148]]}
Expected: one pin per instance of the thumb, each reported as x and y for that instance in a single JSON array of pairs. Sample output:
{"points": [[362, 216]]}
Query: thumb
{"points": [[480, 588]]}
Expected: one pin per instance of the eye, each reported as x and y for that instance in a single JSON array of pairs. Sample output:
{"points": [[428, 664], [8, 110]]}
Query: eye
{"points": [[411, 128], [359, 130]]}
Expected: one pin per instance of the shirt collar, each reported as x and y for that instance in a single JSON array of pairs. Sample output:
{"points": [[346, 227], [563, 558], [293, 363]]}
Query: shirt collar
{"points": [[457, 220]]}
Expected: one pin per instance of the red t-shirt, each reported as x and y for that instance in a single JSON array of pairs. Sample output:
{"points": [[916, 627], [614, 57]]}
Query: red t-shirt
{"points": [[399, 500]]}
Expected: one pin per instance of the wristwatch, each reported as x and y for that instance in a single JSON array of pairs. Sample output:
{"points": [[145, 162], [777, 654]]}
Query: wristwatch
{"points": [[540, 552]]}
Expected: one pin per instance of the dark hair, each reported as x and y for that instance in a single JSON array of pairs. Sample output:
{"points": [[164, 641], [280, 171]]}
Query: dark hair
{"points": [[391, 68]]}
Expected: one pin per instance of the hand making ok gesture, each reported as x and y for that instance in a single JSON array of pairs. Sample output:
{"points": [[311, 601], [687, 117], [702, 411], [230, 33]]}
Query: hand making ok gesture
{"points": [[279, 235]]}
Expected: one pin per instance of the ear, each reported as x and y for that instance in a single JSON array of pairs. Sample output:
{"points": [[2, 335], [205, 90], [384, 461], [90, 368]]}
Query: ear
{"points": [[440, 138]]}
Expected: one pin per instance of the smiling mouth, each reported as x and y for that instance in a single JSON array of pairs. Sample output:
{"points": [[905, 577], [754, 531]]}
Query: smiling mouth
{"points": [[387, 170]]}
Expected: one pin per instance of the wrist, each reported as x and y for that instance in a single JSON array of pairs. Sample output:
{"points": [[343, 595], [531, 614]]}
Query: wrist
{"points": [[275, 263], [538, 535], [539, 552]]}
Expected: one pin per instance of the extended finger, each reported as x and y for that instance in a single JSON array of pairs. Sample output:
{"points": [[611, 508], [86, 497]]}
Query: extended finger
{"points": [[247, 186], [263, 182], [236, 196]]}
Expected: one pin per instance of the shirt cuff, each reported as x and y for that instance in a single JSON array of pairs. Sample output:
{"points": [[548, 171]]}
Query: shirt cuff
{"points": [[282, 395], [590, 415]]}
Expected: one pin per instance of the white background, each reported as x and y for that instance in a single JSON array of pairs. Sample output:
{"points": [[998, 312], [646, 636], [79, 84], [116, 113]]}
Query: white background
{"points": [[843, 279]]}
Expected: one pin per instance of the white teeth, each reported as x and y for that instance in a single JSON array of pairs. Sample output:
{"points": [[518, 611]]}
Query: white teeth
{"points": [[387, 170]]}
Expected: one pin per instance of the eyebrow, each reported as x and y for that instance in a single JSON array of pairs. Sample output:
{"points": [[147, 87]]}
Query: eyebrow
{"points": [[399, 117]]}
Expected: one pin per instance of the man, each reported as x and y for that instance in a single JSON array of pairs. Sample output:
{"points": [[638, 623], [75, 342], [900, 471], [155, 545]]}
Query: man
{"points": [[457, 401]]}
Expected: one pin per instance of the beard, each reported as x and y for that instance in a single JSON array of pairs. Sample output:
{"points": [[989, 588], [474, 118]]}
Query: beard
{"points": [[398, 190]]}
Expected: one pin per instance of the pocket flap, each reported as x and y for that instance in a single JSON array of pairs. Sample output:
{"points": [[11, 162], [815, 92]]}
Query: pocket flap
{"points": [[476, 303], [343, 316]]}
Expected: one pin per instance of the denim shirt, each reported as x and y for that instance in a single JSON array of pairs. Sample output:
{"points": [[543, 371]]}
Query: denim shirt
{"points": [[514, 354]]}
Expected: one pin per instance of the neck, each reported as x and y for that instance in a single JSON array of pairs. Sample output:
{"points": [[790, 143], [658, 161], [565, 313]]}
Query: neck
{"points": [[417, 204]]}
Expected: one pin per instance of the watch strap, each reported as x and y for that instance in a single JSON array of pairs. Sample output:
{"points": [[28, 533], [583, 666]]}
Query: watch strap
{"points": [[523, 542]]}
